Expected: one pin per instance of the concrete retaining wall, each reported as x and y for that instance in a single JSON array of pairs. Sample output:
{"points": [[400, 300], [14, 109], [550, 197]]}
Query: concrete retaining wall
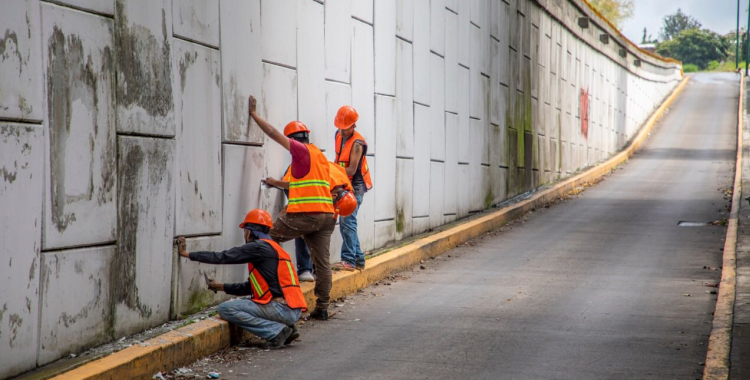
{"points": [[124, 123]]}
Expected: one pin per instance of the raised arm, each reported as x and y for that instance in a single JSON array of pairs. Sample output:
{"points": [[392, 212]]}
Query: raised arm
{"points": [[267, 128]]}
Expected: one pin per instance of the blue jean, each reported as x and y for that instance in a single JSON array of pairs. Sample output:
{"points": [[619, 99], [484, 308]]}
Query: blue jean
{"points": [[304, 262], [351, 252], [265, 321]]}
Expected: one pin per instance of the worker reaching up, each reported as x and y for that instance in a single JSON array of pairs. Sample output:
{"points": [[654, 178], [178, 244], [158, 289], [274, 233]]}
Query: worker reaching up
{"points": [[310, 212], [344, 202], [351, 151], [277, 300]]}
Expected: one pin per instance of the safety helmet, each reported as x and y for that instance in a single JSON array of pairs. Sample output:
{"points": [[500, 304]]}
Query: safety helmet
{"points": [[346, 117], [345, 203], [295, 127], [259, 217]]}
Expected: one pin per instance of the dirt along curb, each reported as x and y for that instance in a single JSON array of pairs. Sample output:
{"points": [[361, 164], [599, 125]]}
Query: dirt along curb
{"points": [[720, 341], [187, 344]]}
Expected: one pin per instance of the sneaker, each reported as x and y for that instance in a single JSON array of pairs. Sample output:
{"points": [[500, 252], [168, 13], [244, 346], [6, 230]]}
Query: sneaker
{"points": [[306, 276], [278, 341], [343, 265], [360, 267], [319, 314], [293, 336]]}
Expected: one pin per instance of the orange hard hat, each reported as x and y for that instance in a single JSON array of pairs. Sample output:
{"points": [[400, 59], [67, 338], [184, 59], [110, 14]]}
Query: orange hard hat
{"points": [[259, 217], [346, 117], [346, 204], [295, 127]]}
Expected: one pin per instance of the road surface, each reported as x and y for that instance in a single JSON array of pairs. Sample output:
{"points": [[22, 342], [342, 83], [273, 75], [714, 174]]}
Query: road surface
{"points": [[605, 285]]}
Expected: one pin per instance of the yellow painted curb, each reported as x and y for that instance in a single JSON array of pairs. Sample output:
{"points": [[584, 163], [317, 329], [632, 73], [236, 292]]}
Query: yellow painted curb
{"points": [[720, 341], [163, 353], [187, 344]]}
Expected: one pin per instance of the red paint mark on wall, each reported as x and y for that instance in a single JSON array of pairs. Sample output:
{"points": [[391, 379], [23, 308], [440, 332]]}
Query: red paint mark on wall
{"points": [[584, 104]]}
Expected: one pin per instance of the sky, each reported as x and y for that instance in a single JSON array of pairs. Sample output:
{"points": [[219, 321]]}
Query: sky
{"points": [[717, 15]]}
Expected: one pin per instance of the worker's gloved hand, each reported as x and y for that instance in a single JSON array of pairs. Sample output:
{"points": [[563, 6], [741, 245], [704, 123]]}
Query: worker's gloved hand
{"points": [[182, 247]]}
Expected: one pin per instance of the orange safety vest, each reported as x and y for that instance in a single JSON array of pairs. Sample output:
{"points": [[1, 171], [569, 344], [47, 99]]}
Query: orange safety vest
{"points": [[287, 277], [342, 156], [312, 192], [338, 176]]}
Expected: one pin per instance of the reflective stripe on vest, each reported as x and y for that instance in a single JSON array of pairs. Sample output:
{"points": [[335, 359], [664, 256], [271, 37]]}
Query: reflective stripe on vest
{"points": [[286, 277], [311, 193], [343, 153], [337, 174]]}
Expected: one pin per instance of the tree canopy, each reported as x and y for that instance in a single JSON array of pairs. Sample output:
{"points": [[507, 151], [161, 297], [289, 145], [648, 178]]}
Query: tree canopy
{"points": [[616, 11], [676, 23], [695, 46]]}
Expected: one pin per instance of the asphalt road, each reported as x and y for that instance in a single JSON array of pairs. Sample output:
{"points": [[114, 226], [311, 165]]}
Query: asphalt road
{"points": [[605, 285]]}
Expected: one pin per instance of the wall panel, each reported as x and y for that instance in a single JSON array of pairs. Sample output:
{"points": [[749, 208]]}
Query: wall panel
{"points": [[21, 186], [241, 68], [199, 138], [197, 20], [21, 61], [80, 170]]}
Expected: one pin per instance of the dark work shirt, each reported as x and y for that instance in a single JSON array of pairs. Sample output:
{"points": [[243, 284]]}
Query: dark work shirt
{"points": [[259, 253]]}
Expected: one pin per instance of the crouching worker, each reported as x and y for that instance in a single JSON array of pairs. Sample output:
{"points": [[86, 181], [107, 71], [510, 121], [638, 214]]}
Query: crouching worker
{"points": [[277, 300]]}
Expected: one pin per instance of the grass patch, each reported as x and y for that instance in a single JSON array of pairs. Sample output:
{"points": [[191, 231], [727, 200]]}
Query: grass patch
{"points": [[725, 66], [690, 68]]}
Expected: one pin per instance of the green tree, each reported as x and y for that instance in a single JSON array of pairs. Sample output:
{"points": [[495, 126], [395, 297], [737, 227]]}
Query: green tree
{"points": [[616, 11], [674, 24], [695, 46]]}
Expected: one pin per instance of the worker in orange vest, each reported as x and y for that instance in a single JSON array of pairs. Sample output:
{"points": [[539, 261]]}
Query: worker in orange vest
{"points": [[310, 211], [344, 203], [277, 300], [351, 151]]}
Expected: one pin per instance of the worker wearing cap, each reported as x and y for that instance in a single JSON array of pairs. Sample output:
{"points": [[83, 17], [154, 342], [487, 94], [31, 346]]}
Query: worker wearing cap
{"points": [[309, 212], [277, 300], [351, 151]]}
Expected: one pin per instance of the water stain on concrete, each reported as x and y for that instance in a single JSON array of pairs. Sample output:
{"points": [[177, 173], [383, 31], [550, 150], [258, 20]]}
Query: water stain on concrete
{"points": [[133, 161], [123, 277], [186, 61], [14, 322], [143, 58], [69, 320], [235, 120], [6, 48], [32, 271], [7, 175], [72, 76], [2, 315]]}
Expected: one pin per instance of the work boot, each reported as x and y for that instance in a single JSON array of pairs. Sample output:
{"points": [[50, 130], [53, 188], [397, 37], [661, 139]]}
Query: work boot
{"points": [[278, 341], [306, 276], [319, 314], [293, 336], [343, 265]]}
